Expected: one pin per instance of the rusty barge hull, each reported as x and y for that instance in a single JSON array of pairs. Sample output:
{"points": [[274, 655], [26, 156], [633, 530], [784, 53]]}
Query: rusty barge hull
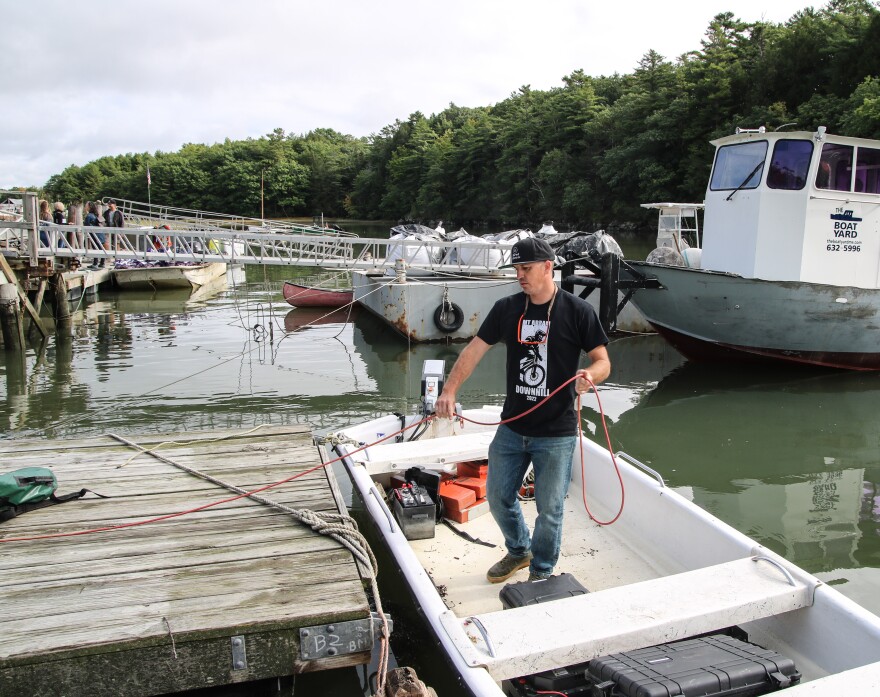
{"points": [[411, 308]]}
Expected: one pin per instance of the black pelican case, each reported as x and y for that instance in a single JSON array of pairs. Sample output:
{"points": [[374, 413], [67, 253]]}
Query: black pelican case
{"points": [[710, 666], [532, 592]]}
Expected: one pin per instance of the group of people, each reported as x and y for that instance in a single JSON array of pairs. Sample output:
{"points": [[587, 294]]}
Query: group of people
{"points": [[95, 216]]}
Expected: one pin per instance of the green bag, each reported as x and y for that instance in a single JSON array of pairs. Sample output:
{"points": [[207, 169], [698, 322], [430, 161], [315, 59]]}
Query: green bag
{"points": [[29, 488]]}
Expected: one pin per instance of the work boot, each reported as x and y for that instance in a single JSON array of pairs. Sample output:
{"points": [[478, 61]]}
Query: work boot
{"points": [[538, 577], [507, 567]]}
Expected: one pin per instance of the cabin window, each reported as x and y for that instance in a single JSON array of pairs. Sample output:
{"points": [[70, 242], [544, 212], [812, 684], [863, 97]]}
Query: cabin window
{"points": [[868, 171], [835, 167], [790, 163], [739, 166]]}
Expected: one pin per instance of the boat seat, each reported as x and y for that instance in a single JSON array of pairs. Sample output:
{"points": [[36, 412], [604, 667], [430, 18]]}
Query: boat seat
{"points": [[431, 452], [524, 640], [864, 680]]}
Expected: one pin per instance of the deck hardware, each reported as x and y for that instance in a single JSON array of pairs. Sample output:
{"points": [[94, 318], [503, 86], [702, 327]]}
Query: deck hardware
{"points": [[779, 566], [239, 653], [641, 465], [341, 638], [485, 634]]}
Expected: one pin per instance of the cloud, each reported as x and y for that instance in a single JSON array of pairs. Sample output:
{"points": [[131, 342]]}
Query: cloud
{"points": [[102, 78]]}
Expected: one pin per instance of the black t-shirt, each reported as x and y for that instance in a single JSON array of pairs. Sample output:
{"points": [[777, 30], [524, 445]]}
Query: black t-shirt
{"points": [[535, 369]]}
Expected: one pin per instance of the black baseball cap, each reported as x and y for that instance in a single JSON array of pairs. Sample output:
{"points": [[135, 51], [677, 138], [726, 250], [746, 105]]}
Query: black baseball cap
{"points": [[528, 251]]}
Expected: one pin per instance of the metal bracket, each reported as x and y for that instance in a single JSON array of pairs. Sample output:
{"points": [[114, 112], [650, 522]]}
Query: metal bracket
{"points": [[340, 638], [239, 653]]}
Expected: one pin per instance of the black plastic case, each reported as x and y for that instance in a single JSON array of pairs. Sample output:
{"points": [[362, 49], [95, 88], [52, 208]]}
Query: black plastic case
{"points": [[710, 666], [532, 592]]}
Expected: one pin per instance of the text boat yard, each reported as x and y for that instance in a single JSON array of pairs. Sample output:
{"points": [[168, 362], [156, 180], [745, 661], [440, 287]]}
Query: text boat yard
{"points": [[213, 597]]}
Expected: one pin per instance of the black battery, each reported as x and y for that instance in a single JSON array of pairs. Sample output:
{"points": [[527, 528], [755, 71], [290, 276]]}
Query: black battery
{"points": [[415, 511], [708, 666], [533, 592], [569, 681]]}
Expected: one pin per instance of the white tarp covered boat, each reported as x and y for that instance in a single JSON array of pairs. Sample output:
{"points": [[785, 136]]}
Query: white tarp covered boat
{"points": [[665, 571], [159, 276], [789, 268]]}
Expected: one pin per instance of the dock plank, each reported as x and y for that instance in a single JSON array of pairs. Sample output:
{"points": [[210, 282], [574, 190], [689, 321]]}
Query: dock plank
{"points": [[185, 585]]}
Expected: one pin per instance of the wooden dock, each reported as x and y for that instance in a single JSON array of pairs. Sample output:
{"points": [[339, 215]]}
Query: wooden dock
{"points": [[209, 598]]}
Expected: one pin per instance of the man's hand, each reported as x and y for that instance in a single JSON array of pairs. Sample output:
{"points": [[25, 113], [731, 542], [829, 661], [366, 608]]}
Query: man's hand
{"points": [[444, 407], [581, 385]]}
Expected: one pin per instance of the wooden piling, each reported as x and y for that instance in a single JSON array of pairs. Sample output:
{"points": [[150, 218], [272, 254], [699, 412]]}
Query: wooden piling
{"points": [[62, 307], [11, 319], [10, 277]]}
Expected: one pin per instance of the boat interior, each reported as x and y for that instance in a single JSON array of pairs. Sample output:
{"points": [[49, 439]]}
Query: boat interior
{"points": [[665, 570]]}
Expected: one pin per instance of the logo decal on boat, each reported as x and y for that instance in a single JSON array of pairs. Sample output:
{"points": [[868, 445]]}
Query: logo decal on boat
{"points": [[845, 215]]}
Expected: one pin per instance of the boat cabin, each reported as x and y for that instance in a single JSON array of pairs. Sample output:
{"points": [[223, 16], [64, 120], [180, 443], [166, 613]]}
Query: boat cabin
{"points": [[795, 206]]}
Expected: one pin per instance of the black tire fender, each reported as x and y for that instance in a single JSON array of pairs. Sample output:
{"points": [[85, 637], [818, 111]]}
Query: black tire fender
{"points": [[448, 317]]}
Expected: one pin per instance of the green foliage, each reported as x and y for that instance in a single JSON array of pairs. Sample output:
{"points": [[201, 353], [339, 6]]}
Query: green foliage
{"points": [[584, 153]]}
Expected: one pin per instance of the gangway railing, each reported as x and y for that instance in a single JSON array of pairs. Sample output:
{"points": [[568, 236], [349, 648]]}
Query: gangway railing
{"points": [[473, 256], [138, 213]]}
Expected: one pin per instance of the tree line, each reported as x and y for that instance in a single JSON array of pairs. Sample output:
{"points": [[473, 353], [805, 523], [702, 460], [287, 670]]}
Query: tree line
{"points": [[585, 153]]}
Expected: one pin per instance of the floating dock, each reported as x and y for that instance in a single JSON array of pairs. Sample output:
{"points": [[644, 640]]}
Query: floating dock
{"points": [[220, 596]]}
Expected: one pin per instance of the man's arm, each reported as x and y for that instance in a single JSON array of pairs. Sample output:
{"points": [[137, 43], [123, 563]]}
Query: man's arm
{"points": [[461, 371], [600, 368]]}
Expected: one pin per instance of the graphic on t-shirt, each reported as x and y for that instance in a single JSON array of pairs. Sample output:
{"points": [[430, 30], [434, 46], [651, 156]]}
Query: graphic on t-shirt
{"points": [[533, 367]]}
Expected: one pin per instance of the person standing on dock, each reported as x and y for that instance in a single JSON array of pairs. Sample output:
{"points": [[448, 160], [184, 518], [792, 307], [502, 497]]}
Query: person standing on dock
{"points": [[112, 218], [92, 220], [58, 216], [544, 329], [45, 217]]}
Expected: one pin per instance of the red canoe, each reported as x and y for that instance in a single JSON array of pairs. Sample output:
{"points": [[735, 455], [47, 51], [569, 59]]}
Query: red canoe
{"points": [[303, 296]]}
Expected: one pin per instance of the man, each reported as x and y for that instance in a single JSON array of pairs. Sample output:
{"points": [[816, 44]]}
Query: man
{"points": [[545, 330], [112, 218]]}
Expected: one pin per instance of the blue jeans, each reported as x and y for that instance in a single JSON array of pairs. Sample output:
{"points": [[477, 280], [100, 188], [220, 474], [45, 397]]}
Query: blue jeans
{"points": [[509, 458]]}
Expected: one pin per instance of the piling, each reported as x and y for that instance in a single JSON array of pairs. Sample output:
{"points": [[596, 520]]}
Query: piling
{"points": [[62, 308], [11, 319], [608, 288]]}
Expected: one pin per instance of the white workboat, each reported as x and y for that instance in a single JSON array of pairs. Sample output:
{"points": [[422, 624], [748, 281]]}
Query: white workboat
{"points": [[665, 571], [789, 268], [156, 277]]}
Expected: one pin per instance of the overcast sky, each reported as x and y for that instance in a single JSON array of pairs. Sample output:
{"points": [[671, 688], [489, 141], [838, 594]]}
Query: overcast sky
{"points": [[87, 79]]}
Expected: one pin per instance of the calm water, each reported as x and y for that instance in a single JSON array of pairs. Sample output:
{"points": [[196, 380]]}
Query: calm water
{"points": [[789, 457]]}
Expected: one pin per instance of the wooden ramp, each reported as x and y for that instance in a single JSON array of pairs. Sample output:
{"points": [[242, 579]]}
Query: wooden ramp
{"points": [[209, 598]]}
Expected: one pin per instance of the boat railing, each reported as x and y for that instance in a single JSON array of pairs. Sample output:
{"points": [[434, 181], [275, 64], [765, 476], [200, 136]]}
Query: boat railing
{"points": [[676, 221]]}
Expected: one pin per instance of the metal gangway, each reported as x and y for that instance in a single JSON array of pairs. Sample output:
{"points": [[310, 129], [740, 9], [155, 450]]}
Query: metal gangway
{"points": [[140, 214], [195, 236]]}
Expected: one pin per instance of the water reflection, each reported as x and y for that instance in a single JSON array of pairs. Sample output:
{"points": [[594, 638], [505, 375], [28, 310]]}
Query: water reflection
{"points": [[788, 456]]}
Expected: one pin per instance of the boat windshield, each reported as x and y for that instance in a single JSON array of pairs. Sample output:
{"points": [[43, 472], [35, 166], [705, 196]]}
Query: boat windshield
{"points": [[790, 163], [739, 166]]}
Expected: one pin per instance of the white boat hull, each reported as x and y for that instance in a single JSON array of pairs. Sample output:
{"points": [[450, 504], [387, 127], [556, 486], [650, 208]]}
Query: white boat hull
{"points": [[158, 277], [629, 567]]}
